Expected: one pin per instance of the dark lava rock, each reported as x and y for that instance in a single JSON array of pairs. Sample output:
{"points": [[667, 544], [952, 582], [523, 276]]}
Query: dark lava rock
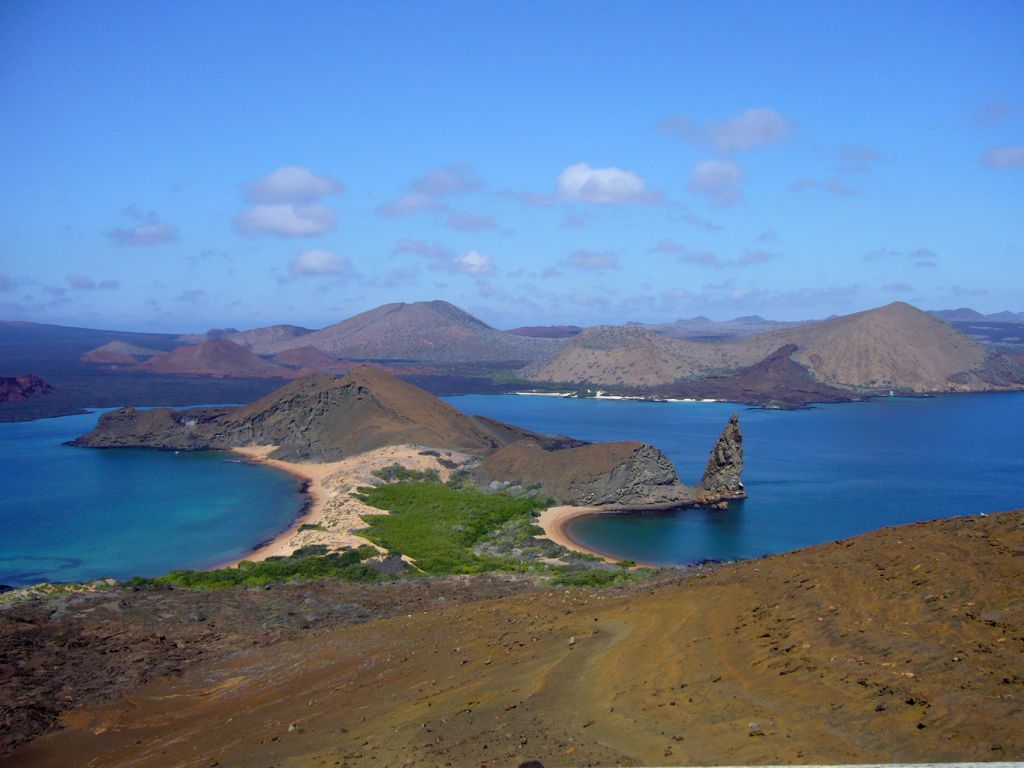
{"points": [[725, 464]]}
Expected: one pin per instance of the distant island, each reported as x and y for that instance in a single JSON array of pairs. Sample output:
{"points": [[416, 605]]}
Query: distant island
{"points": [[892, 350]]}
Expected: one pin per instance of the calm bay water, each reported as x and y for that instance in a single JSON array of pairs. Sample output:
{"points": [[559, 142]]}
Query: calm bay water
{"points": [[70, 514], [812, 475]]}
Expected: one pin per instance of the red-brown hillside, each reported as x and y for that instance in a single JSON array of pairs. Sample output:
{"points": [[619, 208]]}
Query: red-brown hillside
{"points": [[217, 357]]}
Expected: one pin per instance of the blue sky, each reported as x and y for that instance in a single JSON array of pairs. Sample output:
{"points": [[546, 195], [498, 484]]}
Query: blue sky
{"points": [[177, 166]]}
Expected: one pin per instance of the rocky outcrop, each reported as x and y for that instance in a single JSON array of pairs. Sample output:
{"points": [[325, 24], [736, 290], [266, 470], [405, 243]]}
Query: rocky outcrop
{"points": [[624, 475], [14, 389], [725, 465]]}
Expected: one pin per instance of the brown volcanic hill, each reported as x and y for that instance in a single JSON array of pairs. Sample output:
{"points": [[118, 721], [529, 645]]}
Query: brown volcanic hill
{"points": [[15, 389], [260, 340], [633, 356], [430, 331], [217, 357], [893, 347], [318, 418], [305, 357], [118, 352]]}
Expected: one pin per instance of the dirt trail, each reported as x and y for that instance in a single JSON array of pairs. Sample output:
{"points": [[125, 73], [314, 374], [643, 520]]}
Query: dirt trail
{"points": [[902, 645]]}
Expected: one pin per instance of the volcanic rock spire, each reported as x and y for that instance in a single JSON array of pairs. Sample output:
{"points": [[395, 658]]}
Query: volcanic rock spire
{"points": [[725, 464]]}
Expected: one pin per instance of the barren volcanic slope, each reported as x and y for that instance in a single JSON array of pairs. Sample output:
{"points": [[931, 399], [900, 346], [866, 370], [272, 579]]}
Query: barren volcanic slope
{"points": [[217, 357], [261, 340], [892, 347], [432, 331], [903, 645], [319, 418]]}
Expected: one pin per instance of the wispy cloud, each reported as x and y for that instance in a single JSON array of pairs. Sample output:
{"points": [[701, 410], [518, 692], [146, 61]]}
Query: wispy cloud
{"points": [[835, 186], [992, 114], [81, 282], [718, 180], [291, 184], [473, 263], [452, 179], [286, 220], [748, 130], [150, 230], [686, 255], [1003, 158], [921, 257], [855, 159], [591, 260], [898, 287], [425, 195], [602, 186]]}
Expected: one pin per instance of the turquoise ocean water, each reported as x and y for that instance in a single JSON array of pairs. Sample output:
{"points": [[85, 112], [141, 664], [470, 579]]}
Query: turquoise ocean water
{"points": [[69, 514], [813, 475]]}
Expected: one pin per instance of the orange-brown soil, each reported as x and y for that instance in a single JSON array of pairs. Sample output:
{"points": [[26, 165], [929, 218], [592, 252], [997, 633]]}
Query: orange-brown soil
{"points": [[901, 645]]}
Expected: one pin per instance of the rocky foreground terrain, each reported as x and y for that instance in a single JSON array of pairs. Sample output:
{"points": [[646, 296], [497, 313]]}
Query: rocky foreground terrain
{"points": [[901, 645]]}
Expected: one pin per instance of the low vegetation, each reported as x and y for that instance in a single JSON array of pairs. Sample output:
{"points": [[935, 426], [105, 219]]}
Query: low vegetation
{"points": [[313, 562], [452, 528]]}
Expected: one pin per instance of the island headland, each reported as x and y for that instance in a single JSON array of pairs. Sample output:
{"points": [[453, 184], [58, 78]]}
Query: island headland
{"points": [[339, 430]]}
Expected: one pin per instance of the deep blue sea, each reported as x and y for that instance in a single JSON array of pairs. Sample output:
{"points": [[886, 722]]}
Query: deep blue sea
{"points": [[71, 514], [812, 475]]}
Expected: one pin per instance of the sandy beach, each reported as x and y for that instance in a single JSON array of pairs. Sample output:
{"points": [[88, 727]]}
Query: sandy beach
{"points": [[554, 521], [331, 507]]}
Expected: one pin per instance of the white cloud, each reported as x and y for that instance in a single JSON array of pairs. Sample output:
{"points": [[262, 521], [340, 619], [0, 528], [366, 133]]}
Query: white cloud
{"points": [[291, 184], [286, 220], [1002, 158], [317, 263], [593, 260], [149, 231], [718, 180], [612, 186], [472, 263], [748, 130]]}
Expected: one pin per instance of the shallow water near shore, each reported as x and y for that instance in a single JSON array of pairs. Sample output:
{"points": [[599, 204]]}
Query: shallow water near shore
{"points": [[69, 514], [813, 475]]}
